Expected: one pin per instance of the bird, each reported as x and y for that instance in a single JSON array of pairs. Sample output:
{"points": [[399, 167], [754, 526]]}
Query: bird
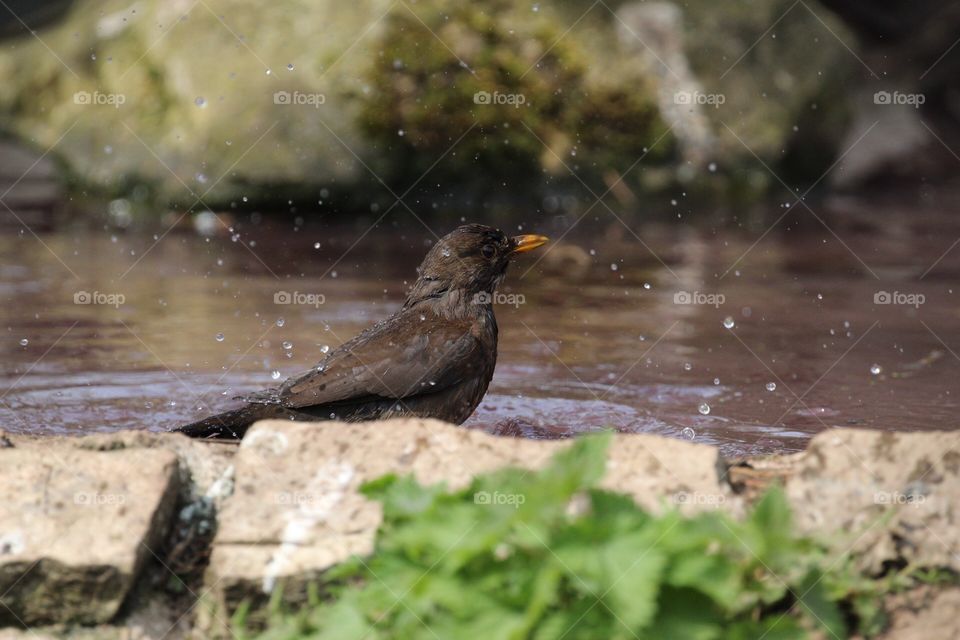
{"points": [[433, 358]]}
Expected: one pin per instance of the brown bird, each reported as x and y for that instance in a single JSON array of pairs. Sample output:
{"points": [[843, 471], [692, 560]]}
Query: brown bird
{"points": [[432, 359]]}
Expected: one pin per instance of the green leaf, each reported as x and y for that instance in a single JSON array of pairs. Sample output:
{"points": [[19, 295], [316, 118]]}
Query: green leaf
{"points": [[402, 497], [633, 579], [816, 605], [686, 614], [772, 627], [771, 520], [715, 575]]}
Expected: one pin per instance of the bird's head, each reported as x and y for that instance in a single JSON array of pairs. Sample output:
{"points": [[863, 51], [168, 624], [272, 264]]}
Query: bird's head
{"points": [[471, 259]]}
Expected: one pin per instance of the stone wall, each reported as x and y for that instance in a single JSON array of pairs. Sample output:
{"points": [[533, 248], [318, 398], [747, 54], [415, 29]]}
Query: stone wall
{"points": [[155, 535]]}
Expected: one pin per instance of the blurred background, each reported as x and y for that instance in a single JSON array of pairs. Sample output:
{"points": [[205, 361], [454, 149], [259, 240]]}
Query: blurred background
{"points": [[193, 158]]}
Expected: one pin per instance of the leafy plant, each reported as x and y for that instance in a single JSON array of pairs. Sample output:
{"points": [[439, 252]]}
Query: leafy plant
{"points": [[548, 555]]}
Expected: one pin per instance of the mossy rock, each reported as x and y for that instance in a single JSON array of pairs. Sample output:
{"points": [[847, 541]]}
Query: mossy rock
{"points": [[492, 92]]}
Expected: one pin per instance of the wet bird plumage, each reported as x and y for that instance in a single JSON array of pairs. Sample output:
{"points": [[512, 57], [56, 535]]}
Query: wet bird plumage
{"points": [[433, 358]]}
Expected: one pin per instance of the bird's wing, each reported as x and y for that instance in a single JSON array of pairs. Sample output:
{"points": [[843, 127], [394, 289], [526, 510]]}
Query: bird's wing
{"points": [[401, 357]]}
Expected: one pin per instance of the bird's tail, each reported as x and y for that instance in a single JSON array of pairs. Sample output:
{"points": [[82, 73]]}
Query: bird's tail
{"points": [[231, 424]]}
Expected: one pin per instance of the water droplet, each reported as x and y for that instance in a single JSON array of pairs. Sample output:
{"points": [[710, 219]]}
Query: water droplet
{"points": [[875, 369], [716, 381], [728, 322], [316, 245], [325, 348], [712, 167], [200, 102], [819, 296], [24, 342], [687, 366], [646, 285], [771, 386], [275, 374], [290, 67], [287, 345], [688, 433], [220, 337], [704, 408], [401, 133], [445, 253], [613, 266], [280, 322], [535, 8]]}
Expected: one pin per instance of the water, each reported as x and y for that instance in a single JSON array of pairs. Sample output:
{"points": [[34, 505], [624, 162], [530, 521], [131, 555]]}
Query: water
{"points": [[110, 330]]}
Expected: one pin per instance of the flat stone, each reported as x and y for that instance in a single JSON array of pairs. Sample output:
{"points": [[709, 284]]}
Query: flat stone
{"points": [[76, 528], [296, 509], [884, 496]]}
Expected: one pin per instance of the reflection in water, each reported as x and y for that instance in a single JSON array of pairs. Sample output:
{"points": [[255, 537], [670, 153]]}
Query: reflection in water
{"points": [[779, 345]]}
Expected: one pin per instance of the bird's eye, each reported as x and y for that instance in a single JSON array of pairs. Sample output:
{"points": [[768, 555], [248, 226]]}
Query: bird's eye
{"points": [[488, 250]]}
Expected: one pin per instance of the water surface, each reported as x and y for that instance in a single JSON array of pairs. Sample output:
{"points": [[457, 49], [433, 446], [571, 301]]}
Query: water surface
{"points": [[594, 333]]}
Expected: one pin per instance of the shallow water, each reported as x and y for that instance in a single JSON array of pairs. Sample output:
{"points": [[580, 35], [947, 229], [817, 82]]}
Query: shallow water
{"points": [[588, 346]]}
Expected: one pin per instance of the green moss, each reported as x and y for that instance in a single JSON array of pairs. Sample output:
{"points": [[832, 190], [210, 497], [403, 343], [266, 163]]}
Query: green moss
{"points": [[515, 77]]}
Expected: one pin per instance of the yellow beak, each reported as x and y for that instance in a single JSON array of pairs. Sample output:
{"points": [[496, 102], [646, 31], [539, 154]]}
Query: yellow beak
{"points": [[528, 242]]}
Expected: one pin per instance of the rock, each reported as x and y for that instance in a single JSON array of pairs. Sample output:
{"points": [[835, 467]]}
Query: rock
{"points": [[884, 141], [296, 510], [885, 496], [342, 93], [923, 613], [28, 182], [654, 33], [77, 528], [205, 467]]}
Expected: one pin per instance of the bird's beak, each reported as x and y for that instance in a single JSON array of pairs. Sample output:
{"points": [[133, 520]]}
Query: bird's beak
{"points": [[527, 242]]}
